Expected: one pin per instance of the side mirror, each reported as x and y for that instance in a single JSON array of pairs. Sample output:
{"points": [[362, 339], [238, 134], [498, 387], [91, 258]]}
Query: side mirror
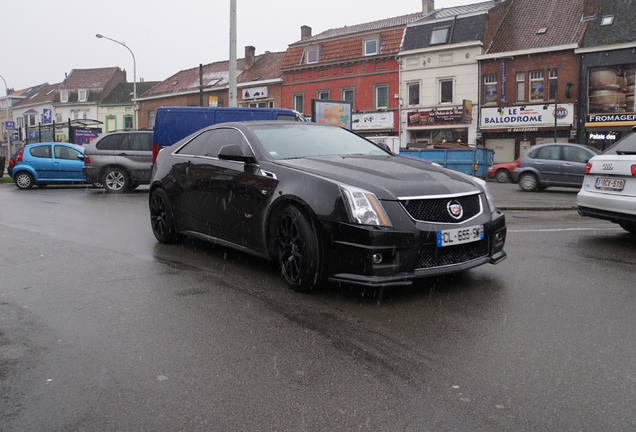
{"points": [[384, 146], [233, 152], [80, 157]]}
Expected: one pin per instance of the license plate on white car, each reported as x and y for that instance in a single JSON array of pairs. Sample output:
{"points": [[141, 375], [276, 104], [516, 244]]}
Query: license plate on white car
{"points": [[609, 184], [457, 236]]}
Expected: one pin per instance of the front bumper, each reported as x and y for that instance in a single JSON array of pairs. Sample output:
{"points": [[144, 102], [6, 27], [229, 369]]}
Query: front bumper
{"points": [[378, 257]]}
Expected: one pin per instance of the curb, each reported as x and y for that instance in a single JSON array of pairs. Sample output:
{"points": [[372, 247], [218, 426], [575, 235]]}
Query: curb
{"points": [[534, 208]]}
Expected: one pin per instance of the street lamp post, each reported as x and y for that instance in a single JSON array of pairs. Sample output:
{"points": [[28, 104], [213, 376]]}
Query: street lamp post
{"points": [[99, 36], [6, 88]]}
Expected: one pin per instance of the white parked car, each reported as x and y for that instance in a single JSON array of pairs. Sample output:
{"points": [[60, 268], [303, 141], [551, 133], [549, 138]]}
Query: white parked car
{"points": [[609, 186]]}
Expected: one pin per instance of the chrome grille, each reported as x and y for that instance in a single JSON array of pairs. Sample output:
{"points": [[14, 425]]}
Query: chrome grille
{"points": [[436, 209]]}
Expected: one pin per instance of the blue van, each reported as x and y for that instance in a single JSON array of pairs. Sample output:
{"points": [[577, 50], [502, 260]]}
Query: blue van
{"points": [[175, 123]]}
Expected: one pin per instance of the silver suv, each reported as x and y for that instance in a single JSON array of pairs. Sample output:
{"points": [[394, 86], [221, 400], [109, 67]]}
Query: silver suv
{"points": [[119, 160]]}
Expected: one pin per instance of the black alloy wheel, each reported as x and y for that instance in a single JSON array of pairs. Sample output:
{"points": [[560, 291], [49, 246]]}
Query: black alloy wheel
{"points": [[161, 220], [298, 250]]}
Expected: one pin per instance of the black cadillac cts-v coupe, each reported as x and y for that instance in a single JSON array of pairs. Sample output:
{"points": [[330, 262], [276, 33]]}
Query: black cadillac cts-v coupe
{"points": [[324, 202]]}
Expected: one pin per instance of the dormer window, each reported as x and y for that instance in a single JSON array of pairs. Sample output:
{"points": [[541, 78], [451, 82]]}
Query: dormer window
{"points": [[64, 96], [607, 20], [439, 35], [82, 95], [371, 47], [312, 55]]}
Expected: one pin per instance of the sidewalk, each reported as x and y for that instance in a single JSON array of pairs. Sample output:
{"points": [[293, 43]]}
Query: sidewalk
{"points": [[509, 196]]}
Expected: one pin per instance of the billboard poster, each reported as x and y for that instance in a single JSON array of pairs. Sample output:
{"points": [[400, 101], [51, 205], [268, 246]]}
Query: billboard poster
{"points": [[530, 116], [436, 116], [85, 136], [331, 112], [490, 93], [375, 120]]}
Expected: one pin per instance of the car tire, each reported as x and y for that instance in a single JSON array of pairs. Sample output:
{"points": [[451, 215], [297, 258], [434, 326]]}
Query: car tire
{"points": [[24, 180], [115, 180], [502, 176], [629, 227], [161, 218], [528, 182], [299, 254]]}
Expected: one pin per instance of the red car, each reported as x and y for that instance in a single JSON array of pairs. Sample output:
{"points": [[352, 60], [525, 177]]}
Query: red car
{"points": [[502, 172]]}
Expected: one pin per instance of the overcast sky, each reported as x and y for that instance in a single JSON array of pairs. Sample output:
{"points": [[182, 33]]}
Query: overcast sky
{"points": [[42, 39]]}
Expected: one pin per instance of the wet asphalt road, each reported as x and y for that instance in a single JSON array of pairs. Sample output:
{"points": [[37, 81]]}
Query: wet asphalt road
{"points": [[102, 328]]}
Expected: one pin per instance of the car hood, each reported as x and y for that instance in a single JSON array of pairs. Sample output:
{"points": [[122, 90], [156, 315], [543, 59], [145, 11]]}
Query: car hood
{"points": [[388, 177]]}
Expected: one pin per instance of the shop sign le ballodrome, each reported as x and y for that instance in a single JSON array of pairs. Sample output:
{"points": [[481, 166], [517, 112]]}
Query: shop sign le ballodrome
{"points": [[528, 117]]}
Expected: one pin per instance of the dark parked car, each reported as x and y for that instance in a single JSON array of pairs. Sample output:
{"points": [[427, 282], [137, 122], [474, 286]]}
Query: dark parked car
{"points": [[324, 202], [48, 163], [11, 163], [554, 164], [119, 160], [503, 172]]}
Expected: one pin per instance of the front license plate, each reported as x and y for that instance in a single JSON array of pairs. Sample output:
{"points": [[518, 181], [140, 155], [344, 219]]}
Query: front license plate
{"points": [[609, 184], [457, 236]]}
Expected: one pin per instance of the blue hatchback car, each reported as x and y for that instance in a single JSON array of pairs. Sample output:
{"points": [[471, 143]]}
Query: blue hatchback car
{"points": [[48, 163]]}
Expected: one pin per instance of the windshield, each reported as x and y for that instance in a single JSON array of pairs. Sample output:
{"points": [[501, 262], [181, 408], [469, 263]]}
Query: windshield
{"points": [[287, 142], [626, 145]]}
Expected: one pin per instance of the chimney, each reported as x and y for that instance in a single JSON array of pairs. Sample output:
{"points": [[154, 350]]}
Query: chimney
{"points": [[249, 56], [428, 6], [305, 32]]}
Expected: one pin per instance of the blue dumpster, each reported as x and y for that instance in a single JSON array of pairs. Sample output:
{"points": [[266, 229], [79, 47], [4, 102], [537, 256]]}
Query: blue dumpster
{"points": [[472, 161]]}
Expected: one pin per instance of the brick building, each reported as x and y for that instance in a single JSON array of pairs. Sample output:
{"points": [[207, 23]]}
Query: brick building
{"points": [[529, 75], [258, 85], [354, 64]]}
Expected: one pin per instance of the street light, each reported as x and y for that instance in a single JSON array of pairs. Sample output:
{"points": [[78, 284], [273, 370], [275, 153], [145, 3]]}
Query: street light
{"points": [[6, 88], [99, 36]]}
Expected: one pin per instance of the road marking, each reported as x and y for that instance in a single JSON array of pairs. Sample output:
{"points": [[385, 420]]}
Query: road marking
{"points": [[565, 229]]}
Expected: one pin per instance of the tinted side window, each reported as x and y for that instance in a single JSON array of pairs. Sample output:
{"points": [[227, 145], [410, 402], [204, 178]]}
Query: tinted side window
{"points": [[222, 137], [195, 145], [63, 152], [41, 151], [549, 152], [110, 142], [137, 142], [286, 117], [624, 145]]}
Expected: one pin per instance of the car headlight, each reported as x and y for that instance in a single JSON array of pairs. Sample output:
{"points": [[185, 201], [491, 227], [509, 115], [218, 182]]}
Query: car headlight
{"points": [[489, 197], [364, 207]]}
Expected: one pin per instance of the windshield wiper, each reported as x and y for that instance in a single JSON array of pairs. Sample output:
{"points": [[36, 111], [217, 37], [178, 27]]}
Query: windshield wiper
{"points": [[625, 152]]}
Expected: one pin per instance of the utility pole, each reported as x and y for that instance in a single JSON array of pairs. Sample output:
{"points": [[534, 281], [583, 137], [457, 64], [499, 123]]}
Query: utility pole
{"points": [[6, 120], [232, 69]]}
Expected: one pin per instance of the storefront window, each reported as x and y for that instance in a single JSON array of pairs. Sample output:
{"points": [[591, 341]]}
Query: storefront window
{"points": [[424, 138], [611, 89]]}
